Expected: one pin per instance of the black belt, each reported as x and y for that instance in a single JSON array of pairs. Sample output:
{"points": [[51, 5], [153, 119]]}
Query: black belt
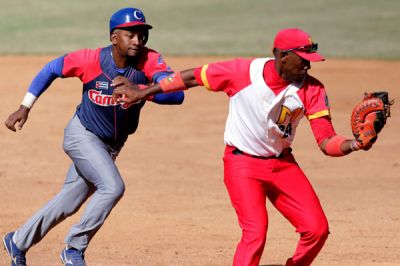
{"points": [[285, 152]]}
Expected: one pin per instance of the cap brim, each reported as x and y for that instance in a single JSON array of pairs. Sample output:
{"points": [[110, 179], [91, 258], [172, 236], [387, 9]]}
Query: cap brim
{"points": [[312, 57], [133, 24]]}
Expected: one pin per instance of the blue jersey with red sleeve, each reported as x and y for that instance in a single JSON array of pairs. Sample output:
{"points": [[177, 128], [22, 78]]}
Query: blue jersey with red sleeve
{"points": [[99, 114], [110, 121]]}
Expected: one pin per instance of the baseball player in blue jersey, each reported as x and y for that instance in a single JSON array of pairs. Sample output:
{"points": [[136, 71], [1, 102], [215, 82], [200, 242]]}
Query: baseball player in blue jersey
{"points": [[94, 136]]}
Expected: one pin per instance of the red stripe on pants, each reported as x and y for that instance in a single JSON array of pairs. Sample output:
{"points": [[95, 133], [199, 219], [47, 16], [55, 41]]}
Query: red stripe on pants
{"points": [[249, 182]]}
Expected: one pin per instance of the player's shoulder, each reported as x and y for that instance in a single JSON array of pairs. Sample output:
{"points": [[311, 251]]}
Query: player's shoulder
{"points": [[243, 61], [150, 54], [148, 50], [87, 51], [238, 64], [312, 88], [84, 53], [314, 82]]}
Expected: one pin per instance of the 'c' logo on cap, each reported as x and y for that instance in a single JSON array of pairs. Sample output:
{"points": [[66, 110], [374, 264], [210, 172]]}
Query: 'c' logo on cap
{"points": [[138, 15]]}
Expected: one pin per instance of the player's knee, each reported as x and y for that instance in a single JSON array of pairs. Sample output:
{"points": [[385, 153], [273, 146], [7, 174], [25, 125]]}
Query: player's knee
{"points": [[66, 146], [317, 232], [256, 233], [69, 146], [116, 190]]}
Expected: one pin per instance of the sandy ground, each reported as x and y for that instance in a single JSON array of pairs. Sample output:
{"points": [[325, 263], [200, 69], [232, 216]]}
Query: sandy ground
{"points": [[176, 210]]}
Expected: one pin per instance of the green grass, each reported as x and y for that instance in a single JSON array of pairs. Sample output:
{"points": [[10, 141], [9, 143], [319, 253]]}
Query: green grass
{"points": [[343, 28]]}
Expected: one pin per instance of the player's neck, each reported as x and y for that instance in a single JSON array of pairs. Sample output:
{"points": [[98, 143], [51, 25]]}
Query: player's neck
{"points": [[122, 61], [273, 79]]}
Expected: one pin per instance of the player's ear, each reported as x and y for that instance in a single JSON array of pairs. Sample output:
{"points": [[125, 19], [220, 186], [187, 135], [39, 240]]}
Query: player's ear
{"points": [[283, 56], [280, 55], [113, 37]]}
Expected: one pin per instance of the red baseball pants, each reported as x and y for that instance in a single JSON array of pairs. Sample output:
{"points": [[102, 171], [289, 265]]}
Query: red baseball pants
{"points": [[249, 182]]}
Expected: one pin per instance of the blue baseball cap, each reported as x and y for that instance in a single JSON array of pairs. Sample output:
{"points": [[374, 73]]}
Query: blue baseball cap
{"points": [[128, 17]]}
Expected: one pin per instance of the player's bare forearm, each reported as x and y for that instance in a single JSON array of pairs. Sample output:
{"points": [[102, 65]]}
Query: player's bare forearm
{"points": [[127, 92], [338, 146], [189, 78]]}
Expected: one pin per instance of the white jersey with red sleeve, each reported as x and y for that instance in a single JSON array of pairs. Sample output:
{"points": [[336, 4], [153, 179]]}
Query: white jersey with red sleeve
{"points": [[261, 122]]}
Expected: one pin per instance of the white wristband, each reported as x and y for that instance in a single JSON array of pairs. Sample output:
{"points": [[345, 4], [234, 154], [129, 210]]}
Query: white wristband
{"points": [[29, 100]]}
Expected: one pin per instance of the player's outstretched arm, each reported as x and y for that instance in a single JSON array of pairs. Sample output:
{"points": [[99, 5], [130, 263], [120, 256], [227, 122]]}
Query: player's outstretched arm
{"points": [[40, 83], [20, 116], [127, 92]]}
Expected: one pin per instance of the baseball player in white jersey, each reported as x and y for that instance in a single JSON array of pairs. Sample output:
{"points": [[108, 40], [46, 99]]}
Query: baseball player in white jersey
{"points": [[268, 98]]}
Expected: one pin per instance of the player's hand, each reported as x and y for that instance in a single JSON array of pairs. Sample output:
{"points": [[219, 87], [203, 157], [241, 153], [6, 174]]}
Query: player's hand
{"points": [[125, 91], [20, 116]]}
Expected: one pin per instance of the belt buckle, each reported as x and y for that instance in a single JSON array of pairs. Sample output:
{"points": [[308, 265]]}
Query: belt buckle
{"points": [[236, 151]]}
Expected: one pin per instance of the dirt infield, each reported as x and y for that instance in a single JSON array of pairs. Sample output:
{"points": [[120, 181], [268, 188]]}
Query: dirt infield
{"points": [[176, 210]]}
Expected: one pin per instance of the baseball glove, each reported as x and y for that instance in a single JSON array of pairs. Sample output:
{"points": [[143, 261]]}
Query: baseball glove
{"points": [[369, 117]]}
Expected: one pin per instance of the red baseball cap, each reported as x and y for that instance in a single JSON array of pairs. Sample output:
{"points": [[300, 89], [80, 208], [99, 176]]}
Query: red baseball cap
{"points": [[299, 42]]}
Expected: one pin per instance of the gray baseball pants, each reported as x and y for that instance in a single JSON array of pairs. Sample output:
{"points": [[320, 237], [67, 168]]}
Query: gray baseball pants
{"points": [[93, 173]]}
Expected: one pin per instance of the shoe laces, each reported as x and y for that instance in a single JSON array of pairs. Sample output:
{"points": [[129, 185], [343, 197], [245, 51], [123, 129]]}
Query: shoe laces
{"points": [[79, 254], [19, 256], [20, 260]]}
